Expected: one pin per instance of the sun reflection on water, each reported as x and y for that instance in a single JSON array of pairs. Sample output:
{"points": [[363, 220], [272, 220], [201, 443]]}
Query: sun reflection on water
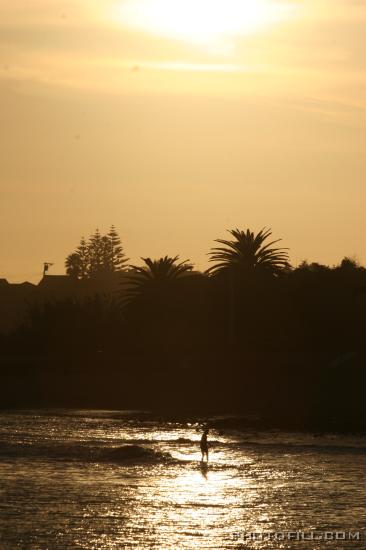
{"points": [[62, 494]]}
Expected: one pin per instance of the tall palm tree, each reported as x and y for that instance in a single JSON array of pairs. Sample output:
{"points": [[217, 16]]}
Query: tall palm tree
{"points": [[156, 274], [247, 253]]}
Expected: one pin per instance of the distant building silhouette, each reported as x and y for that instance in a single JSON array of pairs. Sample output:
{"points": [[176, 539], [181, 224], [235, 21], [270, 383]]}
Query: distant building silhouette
{"points": [[14, 300], [17, 298]]}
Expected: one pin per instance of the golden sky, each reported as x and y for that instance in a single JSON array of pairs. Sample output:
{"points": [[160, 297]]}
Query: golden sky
{"points": [[176, 120]]}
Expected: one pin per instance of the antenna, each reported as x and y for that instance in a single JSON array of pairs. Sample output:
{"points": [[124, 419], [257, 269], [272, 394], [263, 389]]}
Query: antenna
{"points": [[46, 267]]}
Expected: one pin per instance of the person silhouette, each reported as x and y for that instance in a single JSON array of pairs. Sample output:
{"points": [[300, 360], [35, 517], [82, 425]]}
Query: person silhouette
{"points": [[204, 445]]}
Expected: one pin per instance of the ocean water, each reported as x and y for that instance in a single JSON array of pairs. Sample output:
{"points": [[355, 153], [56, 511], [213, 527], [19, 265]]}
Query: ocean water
{"points": [[65, 483]]}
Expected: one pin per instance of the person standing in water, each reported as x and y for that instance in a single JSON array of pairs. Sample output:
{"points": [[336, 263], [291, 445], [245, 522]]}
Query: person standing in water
{"points": [[204, 445]]}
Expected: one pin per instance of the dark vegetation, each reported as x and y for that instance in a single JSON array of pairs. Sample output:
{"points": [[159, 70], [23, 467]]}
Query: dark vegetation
{"points": [[100, 254], [250, 335]]}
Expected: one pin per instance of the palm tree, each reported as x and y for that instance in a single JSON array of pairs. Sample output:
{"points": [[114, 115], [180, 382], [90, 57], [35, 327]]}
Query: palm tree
{"points": [[248, 253], [240, 259], [156, 274]]}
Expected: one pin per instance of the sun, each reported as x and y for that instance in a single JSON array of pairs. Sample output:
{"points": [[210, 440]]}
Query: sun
{"points": [[201, 21]]}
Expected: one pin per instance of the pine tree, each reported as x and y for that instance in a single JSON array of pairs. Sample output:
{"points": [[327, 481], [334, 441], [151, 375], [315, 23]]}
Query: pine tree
{"points": [[106, 254], [84, 258], [73, 266], [95, 246], [100, 254], [118, 256]]}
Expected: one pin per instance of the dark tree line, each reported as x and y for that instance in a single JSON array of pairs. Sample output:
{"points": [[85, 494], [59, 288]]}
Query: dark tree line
{"points": [[251, 333]]}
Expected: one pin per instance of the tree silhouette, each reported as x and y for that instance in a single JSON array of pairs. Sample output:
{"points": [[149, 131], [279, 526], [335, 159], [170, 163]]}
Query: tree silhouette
{"points": [[349, 263], [247, 253], [97, 251], [73, 266], [157, 273], [118, 257], [83, 253], [100, 254]]}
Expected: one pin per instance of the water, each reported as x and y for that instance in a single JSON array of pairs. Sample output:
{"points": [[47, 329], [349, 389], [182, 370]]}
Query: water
{"points": [[62, 487]]}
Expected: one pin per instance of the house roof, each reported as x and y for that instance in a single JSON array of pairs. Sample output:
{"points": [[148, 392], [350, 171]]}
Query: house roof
{"points": [[55, 281]]}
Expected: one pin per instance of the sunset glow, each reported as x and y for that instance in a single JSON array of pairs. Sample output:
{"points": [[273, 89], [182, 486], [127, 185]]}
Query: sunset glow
{"points": [[138, 112], [201, 22], [182, 274]]}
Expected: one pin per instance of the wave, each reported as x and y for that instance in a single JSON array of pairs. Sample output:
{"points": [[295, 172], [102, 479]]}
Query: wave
{"points": [[134, 453], [86, 453], [166, 441]]}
